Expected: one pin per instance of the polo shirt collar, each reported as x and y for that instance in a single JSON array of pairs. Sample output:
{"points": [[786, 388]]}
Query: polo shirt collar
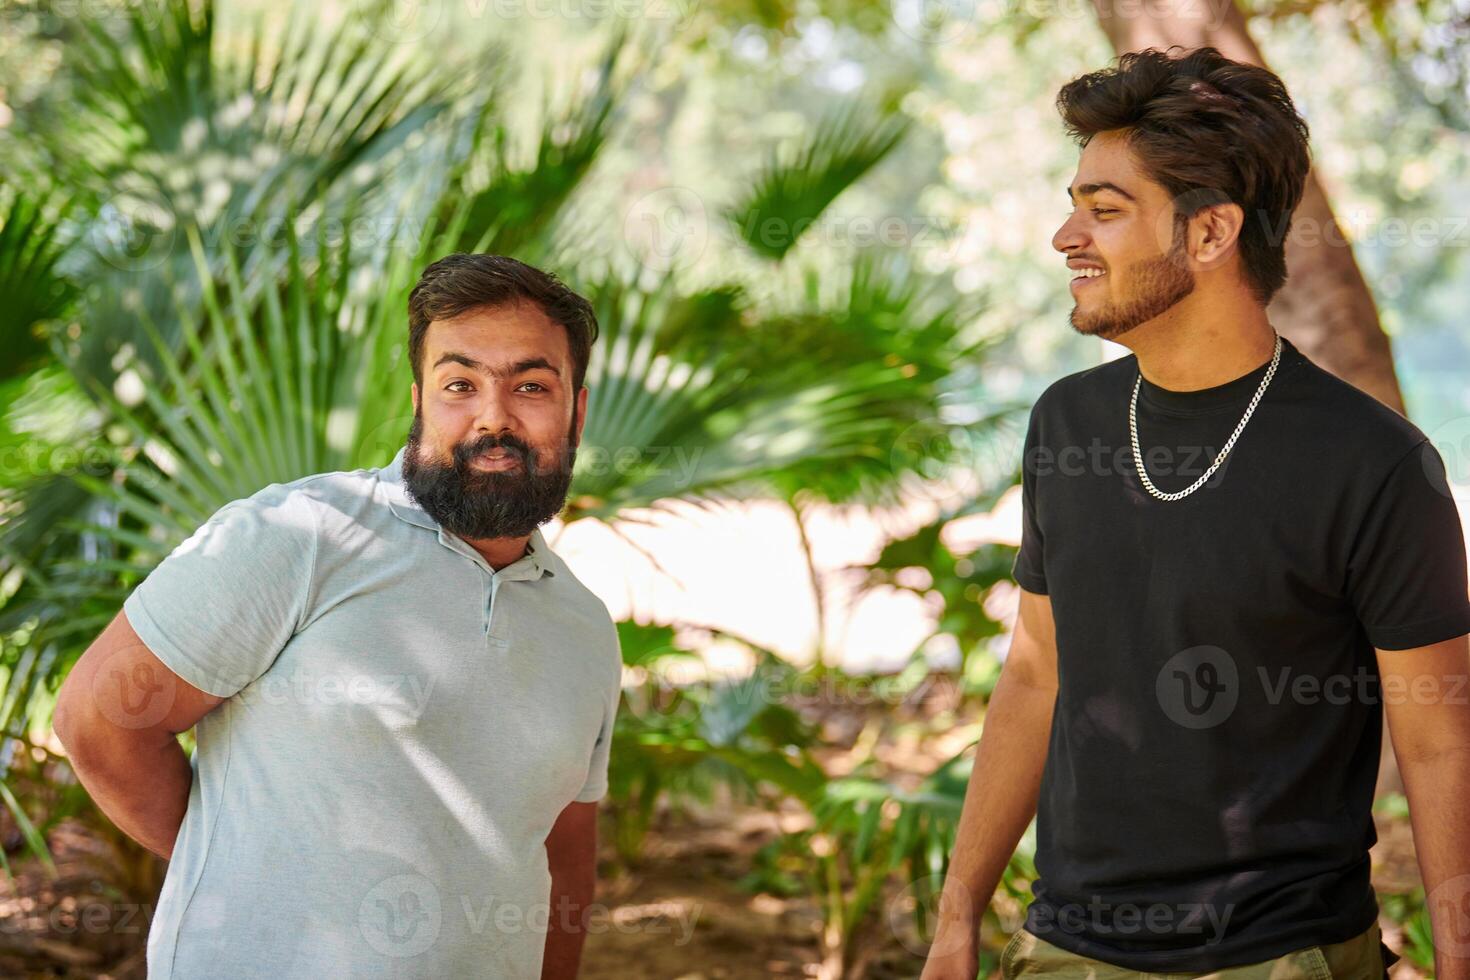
{"points": [[538, 559]]}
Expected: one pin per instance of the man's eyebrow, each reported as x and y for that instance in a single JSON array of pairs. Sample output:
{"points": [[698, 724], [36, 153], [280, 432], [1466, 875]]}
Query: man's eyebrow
{"points": [[519, 367], [1102, 185]]}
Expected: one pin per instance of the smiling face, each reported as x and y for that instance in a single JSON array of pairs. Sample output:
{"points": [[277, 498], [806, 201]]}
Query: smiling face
{"points": [[1123, 245], [496, 424]]}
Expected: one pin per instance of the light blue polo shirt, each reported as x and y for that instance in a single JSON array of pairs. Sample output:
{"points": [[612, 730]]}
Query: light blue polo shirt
{"points": [[403, 726]]}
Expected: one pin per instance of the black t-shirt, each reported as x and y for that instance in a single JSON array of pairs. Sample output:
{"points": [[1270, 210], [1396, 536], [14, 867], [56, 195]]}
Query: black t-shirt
{"points": [[1210, 774]]}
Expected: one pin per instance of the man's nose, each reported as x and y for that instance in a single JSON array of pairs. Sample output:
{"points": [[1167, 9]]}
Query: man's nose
{"points": [[496, 414], [1069, 236]]}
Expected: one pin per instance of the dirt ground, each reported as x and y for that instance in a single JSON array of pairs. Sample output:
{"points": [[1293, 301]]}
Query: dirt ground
{"points": [[737, 935], [682, 914]]}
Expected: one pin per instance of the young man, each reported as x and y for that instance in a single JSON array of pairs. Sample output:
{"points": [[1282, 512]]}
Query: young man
{"points": [[404, 699], [1231, 563]]}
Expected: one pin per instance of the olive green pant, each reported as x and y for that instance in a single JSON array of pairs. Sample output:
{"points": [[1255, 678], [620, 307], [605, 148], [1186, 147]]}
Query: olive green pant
{"points": [[1359, 958]]}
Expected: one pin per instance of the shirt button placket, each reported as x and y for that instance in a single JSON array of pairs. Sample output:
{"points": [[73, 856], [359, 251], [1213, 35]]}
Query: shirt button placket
{"points": [[494, 634], [489, 603]]}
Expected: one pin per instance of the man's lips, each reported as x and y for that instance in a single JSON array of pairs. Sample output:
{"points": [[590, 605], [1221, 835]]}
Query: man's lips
{"points": [[496, 459], [1082, 281]]}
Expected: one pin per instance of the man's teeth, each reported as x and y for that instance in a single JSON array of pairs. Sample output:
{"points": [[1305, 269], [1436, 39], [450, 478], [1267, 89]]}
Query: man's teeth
{"points": [[1088, 273]]}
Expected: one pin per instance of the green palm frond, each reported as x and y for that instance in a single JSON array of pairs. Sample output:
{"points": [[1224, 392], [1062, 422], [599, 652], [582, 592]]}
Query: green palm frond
{"points": [[794, 188], [511, 212], [256, 396], [299, 106], [676, 743], [907, 334], [670, 416], [33, 241], [179, 126], [874, 830], [140, 89], [690, 399], [35, 842], [651, 401]]}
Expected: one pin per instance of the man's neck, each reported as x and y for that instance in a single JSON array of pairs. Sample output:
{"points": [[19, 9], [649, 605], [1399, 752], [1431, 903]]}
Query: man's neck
{"points": [[500, 552], [1189, 348]]}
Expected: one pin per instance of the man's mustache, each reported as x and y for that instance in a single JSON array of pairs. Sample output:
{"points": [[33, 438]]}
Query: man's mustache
{"points": [[465, 452]]}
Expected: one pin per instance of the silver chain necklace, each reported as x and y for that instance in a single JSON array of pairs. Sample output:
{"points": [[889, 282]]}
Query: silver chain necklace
{"points": [[1229, 443]]}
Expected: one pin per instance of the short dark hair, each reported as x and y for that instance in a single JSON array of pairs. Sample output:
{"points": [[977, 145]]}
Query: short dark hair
{"points": [[464, 281], [1211, 131]]}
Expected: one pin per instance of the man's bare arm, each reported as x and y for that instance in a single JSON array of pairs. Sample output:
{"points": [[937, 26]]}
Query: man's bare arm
{"points": [[1005, 784], [1426, 692], [118, 715], [571, 855]]}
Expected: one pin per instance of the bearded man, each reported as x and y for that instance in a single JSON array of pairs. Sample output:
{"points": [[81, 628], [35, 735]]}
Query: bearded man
{"points": [[404, 699]]}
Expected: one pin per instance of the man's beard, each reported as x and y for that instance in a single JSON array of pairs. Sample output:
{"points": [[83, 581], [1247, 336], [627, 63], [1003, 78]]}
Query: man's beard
{"points": [[479, 504], [1159, 284]]}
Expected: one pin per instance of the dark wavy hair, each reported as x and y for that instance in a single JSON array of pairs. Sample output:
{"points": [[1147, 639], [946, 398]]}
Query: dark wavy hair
{"points": [[463, 281], [1211, 131]]}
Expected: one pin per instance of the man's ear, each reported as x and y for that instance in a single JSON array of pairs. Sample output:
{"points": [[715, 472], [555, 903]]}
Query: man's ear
{"points": [[581, 412], [413, 395], [1216, 230]]}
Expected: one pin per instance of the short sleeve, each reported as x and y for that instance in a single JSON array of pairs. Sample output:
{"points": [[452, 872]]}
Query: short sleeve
{"points": [[1028, 569], [1406, 568], [595, 786], [224, 602]]}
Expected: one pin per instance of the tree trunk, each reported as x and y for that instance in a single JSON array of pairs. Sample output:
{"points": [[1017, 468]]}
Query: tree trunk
{"points": [[1325, 307]]}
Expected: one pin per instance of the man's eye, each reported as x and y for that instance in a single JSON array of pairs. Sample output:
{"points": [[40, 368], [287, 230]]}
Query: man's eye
{"points": [[1104, 210], [451, 385], [536, 384]]}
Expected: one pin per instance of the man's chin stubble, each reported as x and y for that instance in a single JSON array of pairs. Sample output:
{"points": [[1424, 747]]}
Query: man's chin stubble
{"points": [[1111, 324], [1099, 327]]}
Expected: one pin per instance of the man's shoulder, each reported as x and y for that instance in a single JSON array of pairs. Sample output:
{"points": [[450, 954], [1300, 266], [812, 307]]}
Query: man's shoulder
{"points": [[1354, 417], [1082, 387], [575, 599], [1332, 408], [331, 485], [335, 491], [576, 595]]}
